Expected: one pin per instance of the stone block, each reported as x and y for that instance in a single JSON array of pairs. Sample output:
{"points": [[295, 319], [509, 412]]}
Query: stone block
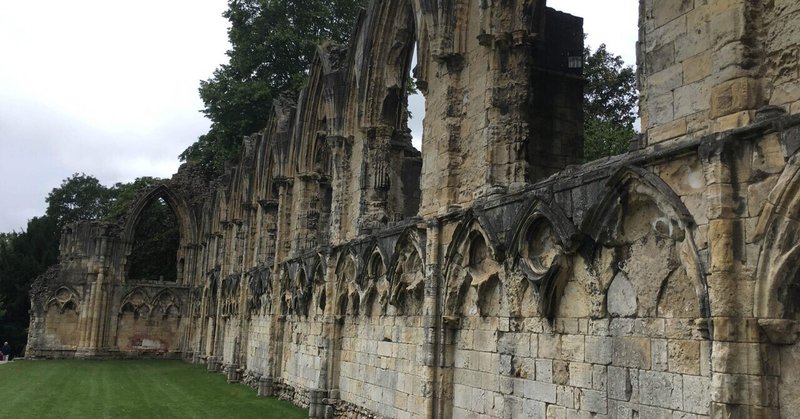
{"points": [[690, 99], [599, 377], [661, 389], [733, 96], [544, 370], [659, 352], [535, 390], [565, 396], [556, 412], [732, 121], [785, 93], [580, 375], [593, 401], [768, 156], [684, 356], [659, 109], [572, 347], [661, 58], [598, 350], [728, 24], [667, 10], [736, 358], [619, 383], [633, 352], [666, 80], [533, 409], [549, 346], [695, 39], [560, 372], [659, 36], [667, 131], [696, 394], [744, 389]]}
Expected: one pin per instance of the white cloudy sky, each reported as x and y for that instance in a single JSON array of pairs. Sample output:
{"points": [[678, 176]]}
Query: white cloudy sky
{"points": [[109, 88]]}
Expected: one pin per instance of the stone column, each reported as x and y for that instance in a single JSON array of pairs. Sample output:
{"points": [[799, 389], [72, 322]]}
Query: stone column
{"points": [[375, 181], [432, 322], [341, 152], [737, 390]]}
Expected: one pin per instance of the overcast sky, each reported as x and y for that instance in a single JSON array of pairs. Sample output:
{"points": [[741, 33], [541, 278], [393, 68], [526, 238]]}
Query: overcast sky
{"points": [[109, 88]]}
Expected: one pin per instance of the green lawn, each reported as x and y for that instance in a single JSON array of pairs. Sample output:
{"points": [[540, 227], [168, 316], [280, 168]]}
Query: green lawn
{"points": [[128, 389]]}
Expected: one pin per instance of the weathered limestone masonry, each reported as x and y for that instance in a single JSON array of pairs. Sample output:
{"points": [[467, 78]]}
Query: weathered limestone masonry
{"points": [[487, 275]]}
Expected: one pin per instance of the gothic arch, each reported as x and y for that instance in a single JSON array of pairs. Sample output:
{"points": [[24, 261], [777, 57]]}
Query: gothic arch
{"points": [[473, 260], [373, 279], [310, 149], [187, 231], [64, 298], [779, 230], [167, 303], [346, 288], [407, 269], [136, 301], [541, 238], [625, 191], [188, 226], [382, 57]]}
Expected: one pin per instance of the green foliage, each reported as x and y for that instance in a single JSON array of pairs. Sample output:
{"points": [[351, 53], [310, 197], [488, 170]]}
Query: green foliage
{"points": [[23, 257], [123, 195], [80, 197], [130, 389], [273, 42], [609, 105]]}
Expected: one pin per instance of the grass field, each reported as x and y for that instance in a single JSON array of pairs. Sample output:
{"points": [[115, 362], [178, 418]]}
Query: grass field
{"points": [[128, 389]]}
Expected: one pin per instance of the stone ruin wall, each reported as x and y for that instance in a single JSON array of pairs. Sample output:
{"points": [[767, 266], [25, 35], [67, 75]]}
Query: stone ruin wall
{"points": [[487, 275]]}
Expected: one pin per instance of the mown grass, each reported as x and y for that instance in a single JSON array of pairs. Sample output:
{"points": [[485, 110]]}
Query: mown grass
{"points": [[128, 389]]}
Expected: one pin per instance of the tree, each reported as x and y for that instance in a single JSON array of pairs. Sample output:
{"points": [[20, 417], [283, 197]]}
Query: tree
{"points": [[80, 197], [609, 103], [123, 195], [23, 257], [272, 43]]}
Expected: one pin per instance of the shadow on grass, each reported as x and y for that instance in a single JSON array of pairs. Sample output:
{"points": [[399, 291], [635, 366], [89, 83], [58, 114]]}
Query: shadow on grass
{"points": [[129, 389]]}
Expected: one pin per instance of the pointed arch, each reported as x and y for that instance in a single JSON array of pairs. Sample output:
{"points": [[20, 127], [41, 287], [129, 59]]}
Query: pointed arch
{"points": [[604, 218], [64, 298], [542, 236], [310, 151], [136, 301], [374, 284], [347, 273], [473, 259], [632, 187], [167, 303], [383, 46], [779, 229], [186, 220], [407, 271]]}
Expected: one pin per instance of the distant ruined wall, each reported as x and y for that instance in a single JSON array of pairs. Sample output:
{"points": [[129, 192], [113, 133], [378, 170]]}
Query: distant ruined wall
{"points": [[487, 275]]}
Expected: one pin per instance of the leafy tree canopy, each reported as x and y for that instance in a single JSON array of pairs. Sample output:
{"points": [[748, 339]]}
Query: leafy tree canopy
{"points": [[609, 105], [272, 44], [80, 197]]}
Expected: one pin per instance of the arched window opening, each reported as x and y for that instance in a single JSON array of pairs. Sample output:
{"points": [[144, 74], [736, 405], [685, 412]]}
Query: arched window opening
{"points": [[156, 239], [415, 110]]}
